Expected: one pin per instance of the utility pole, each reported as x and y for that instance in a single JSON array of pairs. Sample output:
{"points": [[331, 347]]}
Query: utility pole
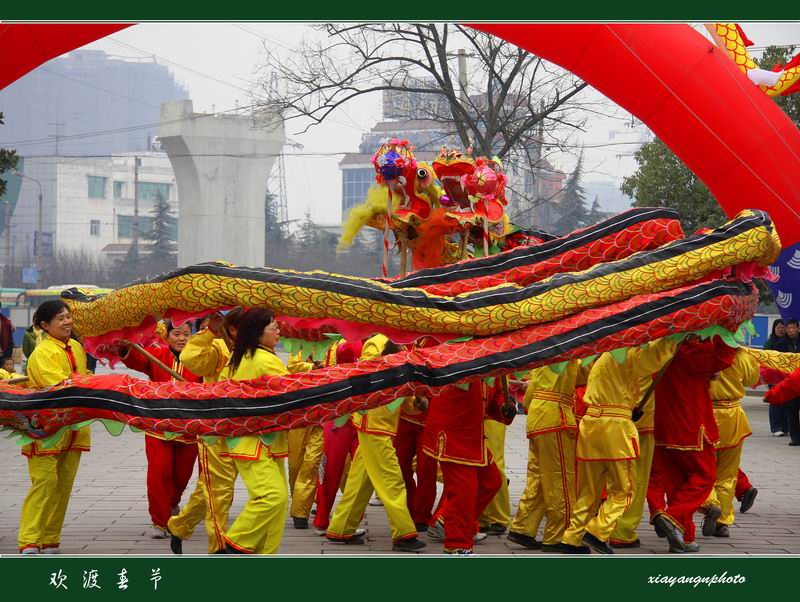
{"points": [[462, 73], [57, 125], [137, 162]]}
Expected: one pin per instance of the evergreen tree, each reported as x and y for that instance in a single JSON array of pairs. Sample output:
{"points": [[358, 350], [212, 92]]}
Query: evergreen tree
{"points": [[162, 247], [572, 211], [596, 214], [8, 161]]}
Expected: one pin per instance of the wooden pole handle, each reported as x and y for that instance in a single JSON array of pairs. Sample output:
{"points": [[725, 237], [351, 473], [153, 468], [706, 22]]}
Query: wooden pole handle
{"points": [[154, 359]]}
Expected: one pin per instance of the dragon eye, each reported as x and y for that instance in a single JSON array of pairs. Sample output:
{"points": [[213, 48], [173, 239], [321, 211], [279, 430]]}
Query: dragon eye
{"points": [[422, 173]]}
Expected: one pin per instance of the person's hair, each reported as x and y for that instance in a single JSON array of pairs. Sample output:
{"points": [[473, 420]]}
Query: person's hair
{"points": [[391, 347], [170, 326], [47, 311], [793, 322], [250, 328], [775, 324], [233, 318]]}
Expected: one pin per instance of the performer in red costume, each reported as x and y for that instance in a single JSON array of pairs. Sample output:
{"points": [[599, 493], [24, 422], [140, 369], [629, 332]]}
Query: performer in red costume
{"points": [[170, 462], [684, 466], [454, 436]]}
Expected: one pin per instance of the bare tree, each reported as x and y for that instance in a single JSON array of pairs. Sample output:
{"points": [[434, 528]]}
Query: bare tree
{"points": [[494, 106], [76, 266]]}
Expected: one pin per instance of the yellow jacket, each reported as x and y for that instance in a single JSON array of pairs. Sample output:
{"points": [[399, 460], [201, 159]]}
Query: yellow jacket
{"points": [[646, 424], [378, 421], [727, 391], [249, 447], [206, 355], [6, 375], [48, 365], [548, 398], [607, 432]]}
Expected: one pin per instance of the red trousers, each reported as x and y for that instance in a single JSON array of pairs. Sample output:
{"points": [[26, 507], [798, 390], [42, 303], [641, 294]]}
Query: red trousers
{"points": [[420, 495], [337, 443], [686, 478], [169, 468], [742, 485], [467, 492]]}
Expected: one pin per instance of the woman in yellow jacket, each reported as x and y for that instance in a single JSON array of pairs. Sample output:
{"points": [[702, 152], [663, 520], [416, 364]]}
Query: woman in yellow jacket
{"points": [[259, 527], [52, 470]]}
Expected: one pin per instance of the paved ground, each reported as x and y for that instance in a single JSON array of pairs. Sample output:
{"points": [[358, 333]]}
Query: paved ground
{"points": [[108, 510]]}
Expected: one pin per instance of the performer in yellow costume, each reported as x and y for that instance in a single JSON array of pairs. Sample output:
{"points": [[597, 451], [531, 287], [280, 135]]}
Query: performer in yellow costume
{"points": [[375, 468], [552, 431], [608, 445], [206, 354], [727, 391], [305, 454], [496, 517], [259, 527], [624, 535], [52, 469]]}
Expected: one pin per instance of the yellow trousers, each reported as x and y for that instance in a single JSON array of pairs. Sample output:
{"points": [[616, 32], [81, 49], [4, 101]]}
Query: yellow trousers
{"points": [[550, 490], [617, 476], [305, 454], [725, 484], [217, 476], [499, 509], [45, 505], [625, 531], [259, 528], [374, 468]]}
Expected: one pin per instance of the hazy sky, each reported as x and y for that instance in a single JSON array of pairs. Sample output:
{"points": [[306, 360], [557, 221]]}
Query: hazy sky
{"points": [[218, 63]]}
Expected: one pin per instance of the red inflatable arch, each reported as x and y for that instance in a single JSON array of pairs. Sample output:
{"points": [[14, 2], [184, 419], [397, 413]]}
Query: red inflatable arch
{"points": [[672, 78]]}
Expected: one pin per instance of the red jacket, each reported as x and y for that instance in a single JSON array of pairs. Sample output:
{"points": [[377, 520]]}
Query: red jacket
{"points": [[684, 415], [136, 361], [786, 389], [454, 428]]}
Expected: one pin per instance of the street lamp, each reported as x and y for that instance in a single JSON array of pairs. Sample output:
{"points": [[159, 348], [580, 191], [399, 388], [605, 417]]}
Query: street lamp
{"points": [[39, 234]]}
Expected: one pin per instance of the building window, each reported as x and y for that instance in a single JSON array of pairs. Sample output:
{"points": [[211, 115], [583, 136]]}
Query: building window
{"points": [[149, 191], [355, 183], [97, 187], [125, 226], [119, 190], [94, 227]]}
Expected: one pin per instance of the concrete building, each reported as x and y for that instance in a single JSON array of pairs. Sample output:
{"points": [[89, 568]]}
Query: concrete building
{"points": [[87, 203], [87, 103], [222, 165]]}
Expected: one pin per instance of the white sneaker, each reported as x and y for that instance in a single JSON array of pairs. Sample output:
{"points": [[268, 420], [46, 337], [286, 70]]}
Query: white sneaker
{"points": [[30, 551], [375, 501], [778, 434], [159, 533], [436, 531], [320, 532], [479, 537], [51, 551], [359, 532]]}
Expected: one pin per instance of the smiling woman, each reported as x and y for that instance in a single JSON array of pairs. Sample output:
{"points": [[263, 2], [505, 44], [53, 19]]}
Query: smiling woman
{"points": [[53, 468]]}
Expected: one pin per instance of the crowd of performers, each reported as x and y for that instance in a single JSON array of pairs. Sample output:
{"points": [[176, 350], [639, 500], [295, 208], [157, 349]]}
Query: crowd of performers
{"points": [[663, 426]]}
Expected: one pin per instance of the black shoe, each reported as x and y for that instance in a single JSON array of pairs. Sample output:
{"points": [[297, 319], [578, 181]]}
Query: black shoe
{"points": [[713, 513], [748, 498], [794, 443], [408, 545], [526, 541], [421, 527], [596, 544], [355, 540], [565, 548], [175, 543], [229, 549], [673, 535], [625, 544], [722, 531], [220, 552], [659, 529], [494, 529], [552, 548], [300, 523]]}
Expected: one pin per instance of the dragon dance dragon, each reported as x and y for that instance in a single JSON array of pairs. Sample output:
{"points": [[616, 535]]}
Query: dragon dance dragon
{"points": [[623, 282]]}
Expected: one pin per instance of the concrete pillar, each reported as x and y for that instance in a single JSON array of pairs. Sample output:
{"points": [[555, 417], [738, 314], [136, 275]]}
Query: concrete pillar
{"points": [[221, 164]]}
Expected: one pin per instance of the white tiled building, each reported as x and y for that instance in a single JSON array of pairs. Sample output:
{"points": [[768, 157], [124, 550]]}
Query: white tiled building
{"points": [[87, 202]]}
